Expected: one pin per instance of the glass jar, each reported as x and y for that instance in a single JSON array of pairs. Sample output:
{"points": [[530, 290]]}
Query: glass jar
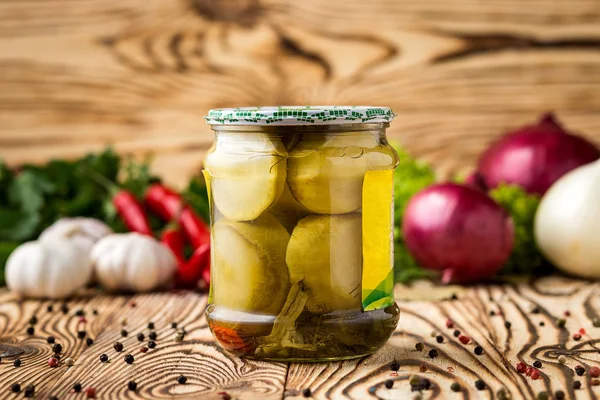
{"points": [[302, 232]]}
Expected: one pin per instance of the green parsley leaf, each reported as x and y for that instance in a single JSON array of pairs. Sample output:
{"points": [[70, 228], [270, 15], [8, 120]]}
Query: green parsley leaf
{"points": [[17, 225], [28, 189]]}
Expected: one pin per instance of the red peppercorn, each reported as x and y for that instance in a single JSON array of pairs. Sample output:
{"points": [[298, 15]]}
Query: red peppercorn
{"points": [[576, 336], [521, 367], [528, 371], [464, 339], [143, 349], [567, 313], [535, 374], [422, 368], [90, 393], [52, 362], [582, 331], [594, 372], [449, 323]]}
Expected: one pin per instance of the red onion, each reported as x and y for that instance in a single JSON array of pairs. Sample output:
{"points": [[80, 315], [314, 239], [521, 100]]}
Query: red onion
{"points": [[535, 156], [459, 230]]}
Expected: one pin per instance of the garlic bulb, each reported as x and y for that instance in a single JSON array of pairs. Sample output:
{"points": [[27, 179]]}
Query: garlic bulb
{"points": [[567, 222], [48, 269], [84, 232], [131, 261]]}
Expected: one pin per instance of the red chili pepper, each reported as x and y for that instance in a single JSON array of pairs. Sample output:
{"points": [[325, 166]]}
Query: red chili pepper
{"points": [[174, 240], [191, 272], [132, 212], [168, 204], [206, 273]]}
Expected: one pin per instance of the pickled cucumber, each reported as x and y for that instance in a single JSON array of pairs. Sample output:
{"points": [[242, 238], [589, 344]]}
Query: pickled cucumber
{"points": [[325, 174], [325, 253], [249, 271], [247, 175]]}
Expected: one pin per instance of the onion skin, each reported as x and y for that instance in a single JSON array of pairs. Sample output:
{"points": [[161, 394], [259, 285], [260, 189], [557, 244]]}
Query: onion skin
{"points": [[535, 156], [458, 230]]}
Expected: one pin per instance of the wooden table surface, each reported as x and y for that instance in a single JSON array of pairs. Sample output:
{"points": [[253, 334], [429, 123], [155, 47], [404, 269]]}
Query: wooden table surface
{"points": [[211, 372]]}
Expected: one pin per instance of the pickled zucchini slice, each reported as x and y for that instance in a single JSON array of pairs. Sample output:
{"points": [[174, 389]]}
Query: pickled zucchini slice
{"points": [[287, 210], [325, 254], [247, 175], [249, 271]]}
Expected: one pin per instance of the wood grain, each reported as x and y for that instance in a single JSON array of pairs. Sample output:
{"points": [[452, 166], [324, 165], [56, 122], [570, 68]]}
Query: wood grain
{"points": [[211, 371], [76, 76]]}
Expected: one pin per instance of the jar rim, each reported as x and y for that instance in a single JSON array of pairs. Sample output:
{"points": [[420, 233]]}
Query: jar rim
{"points": [[299, 115]]}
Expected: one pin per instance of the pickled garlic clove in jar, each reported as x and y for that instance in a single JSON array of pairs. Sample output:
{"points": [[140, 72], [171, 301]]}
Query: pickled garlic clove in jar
{"points": [[250, 274], [247, 175], [325, 253]]}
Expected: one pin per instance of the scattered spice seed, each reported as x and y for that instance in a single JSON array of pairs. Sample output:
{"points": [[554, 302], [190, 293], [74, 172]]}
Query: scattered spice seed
{"points": [[424, 384], [535, 374], [449, 323], [118, 346], [30, 330], [79, 313], [576, 336], [478, 350], [521, 367], [507, 324], [52, 362], [124, 333], [559, 395], [542, 396], [456, 333], [582, 331], [144, 349], [90, 393], [595, 382], [419, 346], [454, 296], [594, 372], [69, 362], [455, 387], [133, 304], [394, 366], [179, 337], [15, 388], [95, 312], [81, 334], [64, 308], [150, 325], [542, 323], [124, 322], [492, 313], [174, 325], [129, 359], [29, 391], [17, 362], [50, 339], [439, 339], [562, 359], [50, 308], [433, 334], [561, 322], [89, 341], [537, 364], [140, 337], [82, 320], [422, 368], [433, 353], [389, 384], [151, 344], [464, 339], [57, 348], [479, 384], [502, 395], [306, 392], [152, 335], [596, 322], [576, 385], [103, 358], [535, 310], [528, 371], [414, 380], [33, 320], [224, 395], [567, 313], [579, 370], [77, 387], [132, 386], [182, 380]]}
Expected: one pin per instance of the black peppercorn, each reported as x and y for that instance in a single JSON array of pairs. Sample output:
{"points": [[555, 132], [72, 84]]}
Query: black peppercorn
{"points": [[95, 312], [456, 333], [537, 364], [479, 384], [129, 359], [132, 386], [174, 325], [561, 322], [81, 334], [15, 388], [140, 337], [306, 392], [433, 353], [77, 387], [492, 313], [53, 398], [64, 308], [17, 362], [151, 344], [579, 370], [455, 387], [559, 395], [33, 320], [50, 339], [30, 330], [50, 308], [454, 297], [89, 341], [124, 333], [439, 339], [419, 346], [542, 323], [507, 324], [424, 384], [152, 336], [394, 366], [389, 384], [118, 346], [103, 358], [79, 313], [181, 380], [57, 348], [29, 391], [535, 310], [150, 325], [478, 350], [576, 385]]}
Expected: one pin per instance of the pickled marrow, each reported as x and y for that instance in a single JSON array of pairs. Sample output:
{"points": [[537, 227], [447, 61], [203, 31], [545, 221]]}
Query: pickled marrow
{"points": [[326, 174], [247, 175], [249, 271], [325, 253], [287, 210]]}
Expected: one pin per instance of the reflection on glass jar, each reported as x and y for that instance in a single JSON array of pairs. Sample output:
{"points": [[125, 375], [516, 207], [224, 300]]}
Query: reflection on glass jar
{"points": [[302, 222]]}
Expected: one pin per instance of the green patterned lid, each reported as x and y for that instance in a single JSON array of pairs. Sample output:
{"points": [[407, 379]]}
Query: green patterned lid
{"points": [[299, 115]]}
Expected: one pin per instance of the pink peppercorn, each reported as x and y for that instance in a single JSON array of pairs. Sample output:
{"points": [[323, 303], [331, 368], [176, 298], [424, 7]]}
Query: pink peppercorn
{"points": [[90, 393], [528, 371], [53, 362], [594, 372], [449, 324], [464, 339], [521, 367], [582, 331], [535, 374], [576, 336], [144, 349], [567, 313]]}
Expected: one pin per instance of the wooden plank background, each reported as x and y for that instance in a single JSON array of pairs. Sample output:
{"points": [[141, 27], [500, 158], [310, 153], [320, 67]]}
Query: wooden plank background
{"points": [[76, 75]]}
